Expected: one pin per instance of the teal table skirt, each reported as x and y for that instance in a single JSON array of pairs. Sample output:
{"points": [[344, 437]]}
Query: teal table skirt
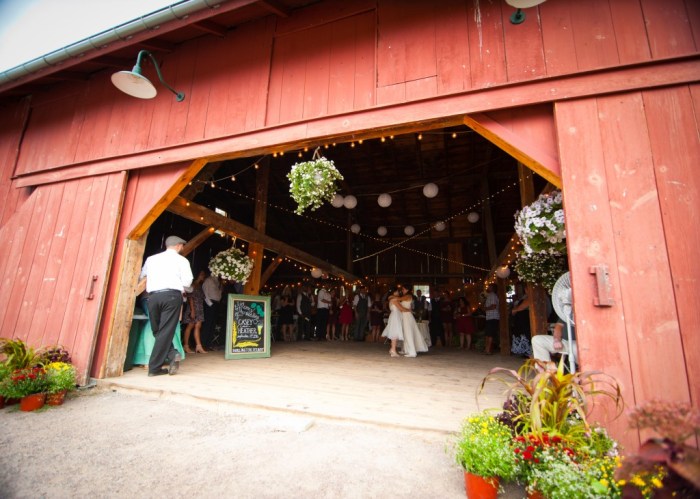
{"points": [[144, 345]]}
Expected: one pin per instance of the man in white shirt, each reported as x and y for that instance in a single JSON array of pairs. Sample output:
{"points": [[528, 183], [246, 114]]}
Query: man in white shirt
{"points": [[212, 289], [167, 275], [323, 304]]}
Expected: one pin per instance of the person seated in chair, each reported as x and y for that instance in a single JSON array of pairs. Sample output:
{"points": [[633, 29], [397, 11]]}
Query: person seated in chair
{"points": [[544, 345]]}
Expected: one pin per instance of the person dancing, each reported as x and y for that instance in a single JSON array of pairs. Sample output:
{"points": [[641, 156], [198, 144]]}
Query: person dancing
{"points": [[413, 341], [394, 326]]}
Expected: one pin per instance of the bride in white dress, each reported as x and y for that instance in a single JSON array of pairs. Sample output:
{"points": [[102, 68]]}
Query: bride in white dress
{"points": [[394, 326], [413, 341]]}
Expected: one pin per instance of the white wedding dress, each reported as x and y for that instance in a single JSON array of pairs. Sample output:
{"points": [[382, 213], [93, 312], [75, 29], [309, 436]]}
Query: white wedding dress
{"points": [[394, 326], [413, 340]]}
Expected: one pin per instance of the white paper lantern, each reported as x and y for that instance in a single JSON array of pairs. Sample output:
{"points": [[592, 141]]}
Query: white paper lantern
{"points": [[381, 230], [440, 226], [384, 200], [350, 202], [473, 217], [503, 272], [316, 273], [430, 190], [337, 201], [409, 230], [355, 228]]}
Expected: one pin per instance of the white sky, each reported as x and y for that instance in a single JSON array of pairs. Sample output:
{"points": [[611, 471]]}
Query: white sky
{"points": [[32, 28]]}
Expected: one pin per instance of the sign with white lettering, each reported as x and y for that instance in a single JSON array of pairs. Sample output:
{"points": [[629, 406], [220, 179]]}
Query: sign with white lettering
{"points": [[248, 327]]}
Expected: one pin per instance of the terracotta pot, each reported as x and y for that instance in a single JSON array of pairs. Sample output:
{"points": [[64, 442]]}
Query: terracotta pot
{"points": [[2, 402], [535, 494], [479, 487], [56, 398], [32, 402]]}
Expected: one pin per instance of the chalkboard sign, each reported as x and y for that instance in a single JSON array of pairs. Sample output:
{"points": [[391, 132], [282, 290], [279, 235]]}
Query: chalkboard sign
{"points": [[248, 327]]}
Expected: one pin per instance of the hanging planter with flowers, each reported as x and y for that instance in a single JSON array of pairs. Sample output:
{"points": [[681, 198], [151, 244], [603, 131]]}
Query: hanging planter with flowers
{"points": [[231, 265], [540, 227], [312, 182]]}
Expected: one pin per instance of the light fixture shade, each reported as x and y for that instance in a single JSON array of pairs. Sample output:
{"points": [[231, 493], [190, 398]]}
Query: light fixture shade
{"points": [[384, 200], [524, 4], [409, 230], [337, 201], [381, 230], [440, 226], [350, 202], [316, 273], [355, 228], [503, 272], [134, 84], [473, 217], [430, 190]]}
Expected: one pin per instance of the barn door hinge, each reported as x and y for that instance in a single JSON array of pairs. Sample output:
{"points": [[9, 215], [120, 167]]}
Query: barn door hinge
{"points": [[602, 278]]}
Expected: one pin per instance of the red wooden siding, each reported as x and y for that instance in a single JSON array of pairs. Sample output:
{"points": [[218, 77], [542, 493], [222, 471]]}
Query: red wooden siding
{"points": [[628, 207], [338, 57], [11, 127], [52, 246]]}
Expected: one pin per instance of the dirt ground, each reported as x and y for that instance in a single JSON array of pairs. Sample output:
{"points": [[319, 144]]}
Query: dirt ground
{"points": [[107, 444]]}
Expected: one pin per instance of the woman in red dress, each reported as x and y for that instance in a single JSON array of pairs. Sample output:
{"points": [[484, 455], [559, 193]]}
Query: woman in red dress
{"points": [[465, 322], [345, 318]]}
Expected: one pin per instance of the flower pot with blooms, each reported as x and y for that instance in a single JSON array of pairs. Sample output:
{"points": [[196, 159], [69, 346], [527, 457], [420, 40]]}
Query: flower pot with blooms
{"points": [[24, 384], [667, 464], [540, 227], [232, 265], [483, 448], [4, 373], [312, 182], [54, 353], [17, 354], [61, 379]]}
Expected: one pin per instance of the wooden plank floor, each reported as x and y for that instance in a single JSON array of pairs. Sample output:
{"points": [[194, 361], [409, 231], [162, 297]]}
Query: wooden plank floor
{"points": [[353, 381]]}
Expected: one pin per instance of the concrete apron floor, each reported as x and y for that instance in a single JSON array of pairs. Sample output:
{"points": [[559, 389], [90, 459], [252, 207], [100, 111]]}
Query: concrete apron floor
{"points": [[337, 380]]}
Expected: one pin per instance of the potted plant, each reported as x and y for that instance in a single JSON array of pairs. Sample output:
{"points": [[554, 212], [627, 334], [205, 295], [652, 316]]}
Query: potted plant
{"points": [[483, 450], [4, 373], [232, 265], [312, 182], [54, 353], [667, 464], [17, 354], [61, 379], [29, 385]]}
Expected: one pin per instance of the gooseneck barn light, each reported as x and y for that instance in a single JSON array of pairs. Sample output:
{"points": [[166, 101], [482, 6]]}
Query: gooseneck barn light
{"points": [[135, 84], [519, 16]]}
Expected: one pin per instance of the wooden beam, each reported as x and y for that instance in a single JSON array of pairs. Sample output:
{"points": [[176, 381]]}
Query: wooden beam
{"points": [[275, 8], [442, 111], [271, 269], [205, 216], [124, 308], [255, 249], [210, 27], [157, 210], [157, 45]]}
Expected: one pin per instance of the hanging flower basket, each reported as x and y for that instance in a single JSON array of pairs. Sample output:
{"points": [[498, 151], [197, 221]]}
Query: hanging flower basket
{"points": [[540, 227], [231, 265], [312, 182]]}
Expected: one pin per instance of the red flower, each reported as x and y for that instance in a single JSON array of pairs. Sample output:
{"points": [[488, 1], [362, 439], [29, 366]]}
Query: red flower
{"points": [[527, 455], [517, 450], [556, 439], [537, 460], [530, 448]]}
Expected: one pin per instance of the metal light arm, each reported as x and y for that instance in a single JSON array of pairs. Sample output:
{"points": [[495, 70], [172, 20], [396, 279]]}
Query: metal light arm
{"points": [[180, 96]]}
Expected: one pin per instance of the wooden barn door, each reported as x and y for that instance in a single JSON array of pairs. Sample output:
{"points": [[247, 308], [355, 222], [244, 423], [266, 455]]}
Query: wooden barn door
{"points": [[632, 198], [55, 255]]}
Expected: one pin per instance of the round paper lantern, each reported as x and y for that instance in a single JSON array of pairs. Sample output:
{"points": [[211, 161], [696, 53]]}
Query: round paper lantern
{"points": [[337, 201], [503, 272], [384, 200], [440, 226], [381, 230], [316, 273], [430, 190], [473, 217], [350, 202], [355, 229], [409, 230]]}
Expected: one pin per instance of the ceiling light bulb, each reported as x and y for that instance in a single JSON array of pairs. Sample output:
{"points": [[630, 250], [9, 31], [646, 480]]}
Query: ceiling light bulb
{"points": [[384, 200]]}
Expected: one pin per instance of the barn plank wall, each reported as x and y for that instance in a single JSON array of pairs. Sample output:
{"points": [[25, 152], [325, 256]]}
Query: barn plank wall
{"points": [[631, 199], [332, 58], [58, 240]]}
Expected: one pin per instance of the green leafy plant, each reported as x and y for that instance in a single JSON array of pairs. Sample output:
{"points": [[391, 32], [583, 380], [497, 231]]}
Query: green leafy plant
{"points": [[60, 377], [541, 268], [548, 400], [23, 382], [483, 447], [312, 182], [17, 354], [54, 353]]}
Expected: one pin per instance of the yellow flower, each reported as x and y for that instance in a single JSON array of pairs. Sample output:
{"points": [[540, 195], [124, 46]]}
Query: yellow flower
{"points": [[622, 483], [637, 480], [605, 483], [657, 483]]}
